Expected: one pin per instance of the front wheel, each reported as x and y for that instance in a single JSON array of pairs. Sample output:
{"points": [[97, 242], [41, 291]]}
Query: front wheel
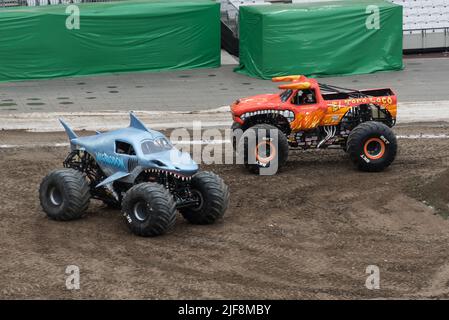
{"points": [[149, 209], [372, 146], [265, 149], [212, 196]]}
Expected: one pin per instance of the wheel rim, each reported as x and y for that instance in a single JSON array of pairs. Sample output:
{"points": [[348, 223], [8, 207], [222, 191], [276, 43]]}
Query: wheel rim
{"points": [[270, 152], [141, 211], [374, 148], [55, 196], [198, 197]]}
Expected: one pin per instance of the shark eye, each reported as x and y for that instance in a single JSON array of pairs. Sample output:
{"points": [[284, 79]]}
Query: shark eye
{"points": [[159, 163]]}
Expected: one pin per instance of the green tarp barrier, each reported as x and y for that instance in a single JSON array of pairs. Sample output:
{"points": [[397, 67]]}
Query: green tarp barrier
{"points": [[112, 37], [320, 38]]}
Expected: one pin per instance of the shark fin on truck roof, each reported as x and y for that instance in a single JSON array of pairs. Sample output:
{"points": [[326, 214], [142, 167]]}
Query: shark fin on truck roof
{"points": [[70, 133], [136, 123]]}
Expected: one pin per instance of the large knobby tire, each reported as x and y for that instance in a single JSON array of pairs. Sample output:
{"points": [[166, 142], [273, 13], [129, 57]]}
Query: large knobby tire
{"points": [[213, 199], [264, 152], [372, 146], [149, 209], [64, 194]]}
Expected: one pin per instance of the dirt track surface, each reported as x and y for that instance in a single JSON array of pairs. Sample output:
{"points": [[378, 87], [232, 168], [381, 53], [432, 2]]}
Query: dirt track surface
{"points": [[308, 232]]}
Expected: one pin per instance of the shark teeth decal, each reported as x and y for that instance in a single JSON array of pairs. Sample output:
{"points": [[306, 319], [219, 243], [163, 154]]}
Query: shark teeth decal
{"points": [[169, 174], [290, 115]]}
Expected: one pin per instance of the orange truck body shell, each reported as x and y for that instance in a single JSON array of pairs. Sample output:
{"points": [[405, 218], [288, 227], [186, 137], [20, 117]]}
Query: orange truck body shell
{"points": [[324, 112]]}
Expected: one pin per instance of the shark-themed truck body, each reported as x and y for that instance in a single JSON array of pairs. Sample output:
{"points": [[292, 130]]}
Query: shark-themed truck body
{"points": [[139, 170]]}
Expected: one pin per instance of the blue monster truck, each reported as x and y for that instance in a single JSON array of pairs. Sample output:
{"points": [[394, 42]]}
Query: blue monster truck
{"points": [[138, 170]]}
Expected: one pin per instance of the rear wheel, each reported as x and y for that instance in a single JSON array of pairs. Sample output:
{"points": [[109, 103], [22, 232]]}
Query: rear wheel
{"points": [[264, 147], [372, 146], [64, 194], [149, 209]]}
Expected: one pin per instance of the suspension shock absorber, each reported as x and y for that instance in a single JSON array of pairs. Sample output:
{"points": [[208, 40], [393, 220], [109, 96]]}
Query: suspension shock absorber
{"points": [[365, 112]]}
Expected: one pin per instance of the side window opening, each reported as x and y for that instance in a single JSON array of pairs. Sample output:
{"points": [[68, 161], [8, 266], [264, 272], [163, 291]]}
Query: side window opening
{"points": [[285, 95], [306, 96], [124, 148], [156, 145]]}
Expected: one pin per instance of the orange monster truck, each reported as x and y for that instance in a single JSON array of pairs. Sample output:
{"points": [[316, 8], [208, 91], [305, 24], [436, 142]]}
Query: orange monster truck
{"points": [[307, 114]]}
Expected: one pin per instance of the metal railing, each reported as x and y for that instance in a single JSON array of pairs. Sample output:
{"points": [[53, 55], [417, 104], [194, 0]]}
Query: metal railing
{"points": [[229, 15], [425, 34], [230, 12], [34, 3]]}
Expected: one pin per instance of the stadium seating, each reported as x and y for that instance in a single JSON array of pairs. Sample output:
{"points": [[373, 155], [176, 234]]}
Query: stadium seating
{"points": [[9, 3], [426, 23], [425, 14]]}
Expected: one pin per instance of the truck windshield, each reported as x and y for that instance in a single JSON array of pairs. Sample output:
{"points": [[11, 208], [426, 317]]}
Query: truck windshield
{"points": [[285, 95], [156, 145]]}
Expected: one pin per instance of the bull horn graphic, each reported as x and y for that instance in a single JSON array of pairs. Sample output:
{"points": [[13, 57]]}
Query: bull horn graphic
{"points": [[287, 78], [295, 85]]}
